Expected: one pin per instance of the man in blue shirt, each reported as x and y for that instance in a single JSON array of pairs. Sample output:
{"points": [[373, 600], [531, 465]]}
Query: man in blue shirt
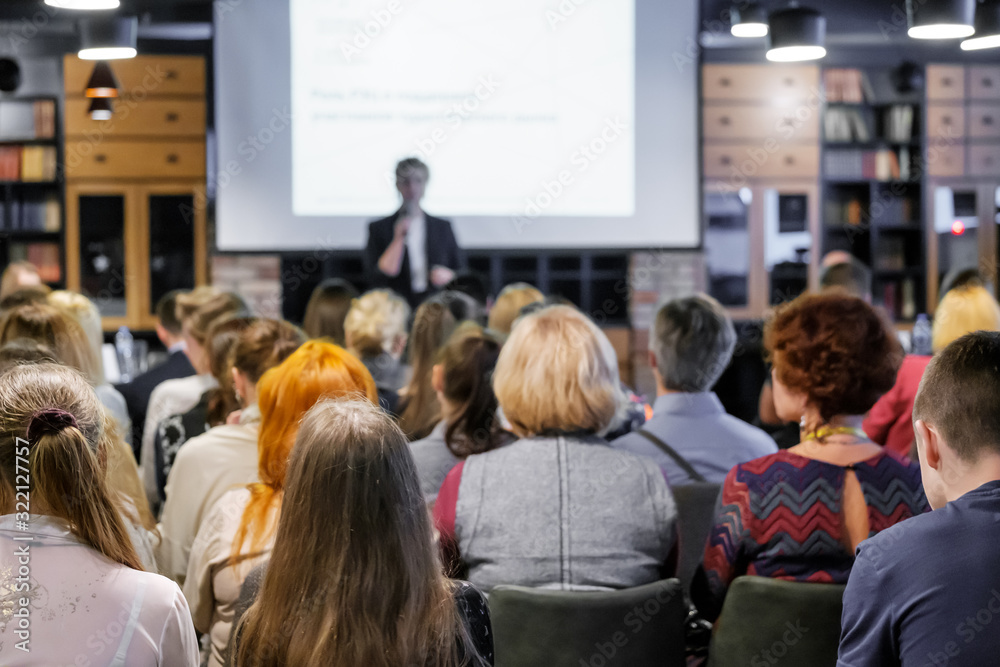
{"points": [[926, 592], [691, 342]]}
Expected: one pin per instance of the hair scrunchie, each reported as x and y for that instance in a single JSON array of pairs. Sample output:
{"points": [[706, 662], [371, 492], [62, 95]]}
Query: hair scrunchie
{"points": [[49, 421]]}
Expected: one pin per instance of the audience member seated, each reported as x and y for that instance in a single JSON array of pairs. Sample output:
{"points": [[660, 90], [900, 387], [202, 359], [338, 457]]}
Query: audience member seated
{"points": [[469, 425], [214, 406], [852, 276], [471, 286], [176, 365], [968, 276], [559, 507], [354, 538], [85, 574], [419, 409], [327, 309], [925, 592], [962, 310], [376, 334], [19, 275], [239, 530], [224, 457], [799, 514], [25, 296], [88, 317], [198, 311], [509, 303], [690, 435]]}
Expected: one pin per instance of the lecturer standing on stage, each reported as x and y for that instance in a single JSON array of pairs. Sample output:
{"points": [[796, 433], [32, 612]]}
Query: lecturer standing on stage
{"points": [[410, 252]]}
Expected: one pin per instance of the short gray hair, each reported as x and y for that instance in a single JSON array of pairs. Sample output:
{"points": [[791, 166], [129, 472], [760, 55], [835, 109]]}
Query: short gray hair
{"points": [[693, 340]]}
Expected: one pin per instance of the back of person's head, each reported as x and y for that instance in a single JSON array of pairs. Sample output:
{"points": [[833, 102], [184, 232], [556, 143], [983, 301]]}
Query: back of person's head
{"points": [[836, 350], [166, 312], [462, 306], [376, 323], [407, 166], [327, 310], [25, 351], [852, 276], [968, 276], [432, 325], [355, 539], [199, 321], [692, 340], [85, 312], [17, 275], [509, 303], [50, 415], [222, 338], [25, 296], [960, 395], [265, 344], [51, 326], [557, 373], [471, 284], [467, 363], [317, 369], [961, 311]]}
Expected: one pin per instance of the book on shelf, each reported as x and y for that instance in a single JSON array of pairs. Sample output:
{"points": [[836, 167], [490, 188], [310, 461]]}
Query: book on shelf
{"points": [[38, 163], [45, 257], [880, 165], [898, 123], [10, 163], [45, 119], [37, 215], [846, 125], [846, 85], [891, 255]]}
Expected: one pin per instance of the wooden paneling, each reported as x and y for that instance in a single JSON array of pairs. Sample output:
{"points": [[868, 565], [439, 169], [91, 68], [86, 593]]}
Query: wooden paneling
{"points": [[142, 76], [946, 160], [737, 162], [945, 121], [984, 121], [139, 159], [776, 84], [147, 118], [984, 160], [728, 123], [984, 82], [945, 82]]}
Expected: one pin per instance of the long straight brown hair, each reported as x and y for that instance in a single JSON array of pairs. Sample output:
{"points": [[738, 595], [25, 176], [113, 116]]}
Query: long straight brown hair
{"points": [[67, 469], [354, 576]]}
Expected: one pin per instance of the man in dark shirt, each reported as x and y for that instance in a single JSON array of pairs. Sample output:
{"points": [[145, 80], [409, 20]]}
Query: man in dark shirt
{"points": [[926, 592]]}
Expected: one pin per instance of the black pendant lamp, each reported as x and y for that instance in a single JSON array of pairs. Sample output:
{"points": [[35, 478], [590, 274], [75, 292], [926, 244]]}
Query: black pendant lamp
{"points": [[796, 34], [108, 38], [987, 25], [101, 108], [940, 19], [102, 82], [749, 20]]}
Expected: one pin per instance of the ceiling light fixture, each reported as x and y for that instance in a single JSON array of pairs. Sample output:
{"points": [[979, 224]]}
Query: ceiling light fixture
{"points": [[102, 82], [108, 38], [748, 21], [796, 34], [101, 108], [84, 4], [940, 19], [987, 25]]}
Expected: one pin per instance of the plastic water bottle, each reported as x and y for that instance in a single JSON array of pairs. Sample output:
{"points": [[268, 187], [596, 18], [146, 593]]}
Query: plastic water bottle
{"points": [[920, 340], [125, 347]]}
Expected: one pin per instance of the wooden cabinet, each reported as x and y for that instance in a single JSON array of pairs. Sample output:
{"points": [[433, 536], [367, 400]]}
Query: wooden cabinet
{"points": [[775, 84], [983, 82], [135, 217], [945, 82]]}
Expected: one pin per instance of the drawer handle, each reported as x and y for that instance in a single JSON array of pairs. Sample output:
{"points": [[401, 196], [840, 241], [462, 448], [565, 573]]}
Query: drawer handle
{"points": [[789, 81], [173, 159], [100, 157], [946, 120], [987, 120], [789, 160], [171, 74], [172, 117], [987, 82], [726, 160], [724, 120], [724, 82], [946, 81]]}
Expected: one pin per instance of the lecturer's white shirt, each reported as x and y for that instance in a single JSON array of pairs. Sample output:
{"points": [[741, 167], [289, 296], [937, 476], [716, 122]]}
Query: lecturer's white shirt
{"points": [[416, 247]]}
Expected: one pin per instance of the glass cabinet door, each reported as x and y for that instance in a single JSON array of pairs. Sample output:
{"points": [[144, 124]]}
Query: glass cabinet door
{"points": [[101, 251], [727, 246], [788, 242], [171, 245], [956, 231]]}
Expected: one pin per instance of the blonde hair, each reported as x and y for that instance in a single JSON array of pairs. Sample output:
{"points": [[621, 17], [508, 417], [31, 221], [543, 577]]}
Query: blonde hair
{"points": [[83, 310], [557, 373], [961, 311], [375, 321], [10, 281], [59, 330], [67, 465], [510, 301]]}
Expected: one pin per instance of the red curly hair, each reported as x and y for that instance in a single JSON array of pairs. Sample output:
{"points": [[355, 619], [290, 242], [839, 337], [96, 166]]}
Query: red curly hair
{"points": [[836, 349], [316, 370]]}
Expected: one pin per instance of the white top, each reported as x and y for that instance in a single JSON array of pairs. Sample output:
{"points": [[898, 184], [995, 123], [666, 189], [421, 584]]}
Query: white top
{"points": [[416, 246], [84, 609], [212, 587], [170, 397], [113, 400], [207, 466]]}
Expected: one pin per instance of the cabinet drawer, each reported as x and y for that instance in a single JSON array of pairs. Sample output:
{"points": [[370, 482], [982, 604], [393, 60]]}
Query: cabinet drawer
{"points": [[770, 83], [946, 160], [729, 122], [142, 76], [150, 118], [984, 82], [945, 121], [748, 161], [984, 160], [984, 121], [135, 159], [945, 82]]}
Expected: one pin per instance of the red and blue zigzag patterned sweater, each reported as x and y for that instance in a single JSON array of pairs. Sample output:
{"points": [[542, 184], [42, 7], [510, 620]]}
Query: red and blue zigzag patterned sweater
{"points": [[781, 516]]}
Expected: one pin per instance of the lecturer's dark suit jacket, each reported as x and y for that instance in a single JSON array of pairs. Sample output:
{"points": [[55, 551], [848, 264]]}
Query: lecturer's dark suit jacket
{"points": [[442, 250], [138, 391]]}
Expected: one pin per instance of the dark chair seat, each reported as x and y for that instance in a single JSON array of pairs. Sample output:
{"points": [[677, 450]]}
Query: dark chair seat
{"points": [[634, 627], [695, 515], [767, 621]]}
